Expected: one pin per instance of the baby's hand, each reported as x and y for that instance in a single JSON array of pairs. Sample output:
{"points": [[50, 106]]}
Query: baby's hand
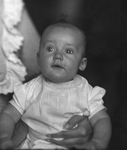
{"points": [[6, 144]]}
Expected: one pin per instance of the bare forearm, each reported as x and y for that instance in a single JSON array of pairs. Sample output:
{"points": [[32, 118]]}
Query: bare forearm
{"points": [[6, 126], [102, 133], [8, 118]]}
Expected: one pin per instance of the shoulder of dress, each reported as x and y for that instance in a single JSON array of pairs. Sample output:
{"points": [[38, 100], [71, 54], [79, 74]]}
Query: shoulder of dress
{"points": [[82, 79], [32, 88], [35, 82]]}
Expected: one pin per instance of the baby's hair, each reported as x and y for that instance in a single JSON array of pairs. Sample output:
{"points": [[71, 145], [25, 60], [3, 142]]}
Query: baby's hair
{"points": [[65, 24], [63, 18]]}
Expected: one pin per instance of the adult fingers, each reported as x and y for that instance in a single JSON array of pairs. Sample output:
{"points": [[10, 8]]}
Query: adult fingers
{"points": [[73, 133], [83, 129], [72, 142], [73, 121], [63, 134]]}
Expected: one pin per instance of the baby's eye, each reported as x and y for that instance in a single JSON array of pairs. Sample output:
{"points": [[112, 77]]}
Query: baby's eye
{"points": [[69, 51], [50, 49]]}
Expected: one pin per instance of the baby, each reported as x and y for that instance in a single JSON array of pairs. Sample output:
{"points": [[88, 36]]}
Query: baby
{"points": [[48, 101]]}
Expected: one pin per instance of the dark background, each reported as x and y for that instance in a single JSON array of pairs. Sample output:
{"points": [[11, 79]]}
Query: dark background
{"points": [[105, 25]]}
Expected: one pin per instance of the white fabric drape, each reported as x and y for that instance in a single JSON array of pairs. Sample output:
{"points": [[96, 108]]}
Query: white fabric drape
{"points": [[11, 42]]}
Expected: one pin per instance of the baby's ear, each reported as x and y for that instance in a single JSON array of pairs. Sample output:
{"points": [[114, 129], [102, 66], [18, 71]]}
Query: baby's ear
{"points": [[83, 64]]}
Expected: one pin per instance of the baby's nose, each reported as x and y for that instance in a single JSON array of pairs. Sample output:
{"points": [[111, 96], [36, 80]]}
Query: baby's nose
{"points": [[58, 55]]}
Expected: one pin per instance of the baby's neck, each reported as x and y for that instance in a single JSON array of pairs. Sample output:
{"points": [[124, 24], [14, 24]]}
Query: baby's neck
{"points": [[57, 82]]}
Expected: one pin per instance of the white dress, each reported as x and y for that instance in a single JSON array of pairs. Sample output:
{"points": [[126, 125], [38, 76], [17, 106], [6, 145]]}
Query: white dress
{"points": [[46, 107]]}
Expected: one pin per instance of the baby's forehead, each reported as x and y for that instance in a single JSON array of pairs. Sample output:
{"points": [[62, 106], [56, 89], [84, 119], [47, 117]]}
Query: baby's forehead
{"points": [[55, 28], [63, 26]]}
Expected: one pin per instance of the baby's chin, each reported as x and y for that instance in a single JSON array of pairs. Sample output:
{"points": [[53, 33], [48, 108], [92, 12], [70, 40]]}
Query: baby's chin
{"points": [[57, 80]]}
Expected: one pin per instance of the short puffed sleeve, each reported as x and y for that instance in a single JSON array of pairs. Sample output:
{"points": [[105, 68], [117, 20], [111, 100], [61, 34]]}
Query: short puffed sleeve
{"points": [[95, 99], [26, 94], [19, 98]]}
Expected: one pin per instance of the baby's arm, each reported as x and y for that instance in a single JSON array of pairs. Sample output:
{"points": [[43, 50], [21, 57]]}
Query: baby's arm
{"points": [[102, 131], [8, 118]]}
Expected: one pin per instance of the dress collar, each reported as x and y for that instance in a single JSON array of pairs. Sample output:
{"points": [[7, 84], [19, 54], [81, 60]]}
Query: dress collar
{"points": [[65, 85]]}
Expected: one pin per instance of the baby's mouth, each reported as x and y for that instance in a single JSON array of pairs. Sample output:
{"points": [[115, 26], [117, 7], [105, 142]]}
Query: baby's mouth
{"points": [[56, 66]]}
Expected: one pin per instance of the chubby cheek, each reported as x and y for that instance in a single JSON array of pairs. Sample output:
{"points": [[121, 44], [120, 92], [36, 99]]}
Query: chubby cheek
{"points": [[73, 64], [44, 63], [43, 60]]}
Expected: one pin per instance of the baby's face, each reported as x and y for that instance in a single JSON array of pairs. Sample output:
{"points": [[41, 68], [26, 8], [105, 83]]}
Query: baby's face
{"points": [[60, 54]]}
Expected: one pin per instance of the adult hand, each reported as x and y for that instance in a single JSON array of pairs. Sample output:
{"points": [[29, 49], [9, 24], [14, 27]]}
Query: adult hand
{"points": [[77, 134]]}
